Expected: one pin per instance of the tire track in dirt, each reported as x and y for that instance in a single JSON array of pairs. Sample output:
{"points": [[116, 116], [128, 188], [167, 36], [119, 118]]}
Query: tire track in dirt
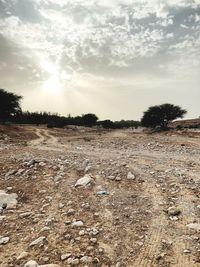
{"points": [[181, 243], [156, 233], [46, 141]]}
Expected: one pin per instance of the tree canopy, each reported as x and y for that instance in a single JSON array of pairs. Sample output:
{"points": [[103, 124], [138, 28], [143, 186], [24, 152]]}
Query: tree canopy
{"points": [[160, 116], [89, 119], [9, 105]]}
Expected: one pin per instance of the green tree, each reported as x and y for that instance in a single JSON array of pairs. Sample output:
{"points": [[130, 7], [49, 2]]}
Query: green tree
{"points": [[89, 119], [160, 116], [9, 105]]}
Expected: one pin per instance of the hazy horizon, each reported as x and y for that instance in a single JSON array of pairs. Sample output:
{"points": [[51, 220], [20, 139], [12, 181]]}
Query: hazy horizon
{"points": [[113, 58]]}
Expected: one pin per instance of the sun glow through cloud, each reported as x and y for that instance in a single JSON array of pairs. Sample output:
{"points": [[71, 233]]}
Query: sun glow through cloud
{"points": [[100, 53]]}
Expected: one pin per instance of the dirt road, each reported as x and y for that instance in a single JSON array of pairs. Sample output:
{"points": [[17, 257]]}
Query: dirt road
{"points": [[124, 210]]}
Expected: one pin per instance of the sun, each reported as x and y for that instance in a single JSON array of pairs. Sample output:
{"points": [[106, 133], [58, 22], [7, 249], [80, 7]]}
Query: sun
{"points": [[53, 84]]}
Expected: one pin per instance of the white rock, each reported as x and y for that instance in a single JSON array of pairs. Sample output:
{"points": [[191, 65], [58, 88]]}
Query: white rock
{"points": [[38, 241], [85, 180], [73, 262], [81, 233], [4, 240], [49, 265], [9, 199], [130, 176], [195, 226], [23, 255], [86, 259], [65, 256], [31, 264], [173, 211], [77, 224]]}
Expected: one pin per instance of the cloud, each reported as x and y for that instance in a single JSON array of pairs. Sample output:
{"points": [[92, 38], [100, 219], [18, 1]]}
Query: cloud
{"points": [[126, 41]]}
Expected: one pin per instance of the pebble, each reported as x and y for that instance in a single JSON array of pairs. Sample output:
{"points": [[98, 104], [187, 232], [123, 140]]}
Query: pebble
{"points": [[31, 263], [77, 224], [195, 226], [85, 180], [130, 176], [73, 262], [65, 256], [173, 211], [86, 259], [23, 255], [4, 240], [38, 242]]}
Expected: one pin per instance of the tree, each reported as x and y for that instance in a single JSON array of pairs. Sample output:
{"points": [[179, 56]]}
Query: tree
{"points": [[160, 116], [106, 124], [89, 119], [9, 105]]}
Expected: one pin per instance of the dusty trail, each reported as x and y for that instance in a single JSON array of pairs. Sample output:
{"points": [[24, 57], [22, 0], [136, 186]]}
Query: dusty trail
{"points": [[46, 141], [136, 229]]}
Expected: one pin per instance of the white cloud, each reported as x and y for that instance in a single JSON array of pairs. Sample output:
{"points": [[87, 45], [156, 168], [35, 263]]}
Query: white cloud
{"points": [[123, 40]]}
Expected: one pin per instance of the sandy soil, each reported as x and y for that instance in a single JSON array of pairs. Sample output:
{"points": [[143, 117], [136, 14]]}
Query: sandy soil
{"points": [[127, 226]]}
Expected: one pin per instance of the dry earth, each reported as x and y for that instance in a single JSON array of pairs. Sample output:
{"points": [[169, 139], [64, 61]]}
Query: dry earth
{"points": [[120, 218]]}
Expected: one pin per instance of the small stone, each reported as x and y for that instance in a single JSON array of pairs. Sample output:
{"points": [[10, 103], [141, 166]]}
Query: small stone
{"points": [[85, 180], [81, 233], [173, 211], [23, 255], [77, 224], [130, 176], [102, 193], [25, 214], [73, 262], [86, 259], [38, 242], [65, 256], [71, 212], [93, 240], [194, 226], [61, 205], [118, 178], [31, 264], [4, 240], [187, 251]]}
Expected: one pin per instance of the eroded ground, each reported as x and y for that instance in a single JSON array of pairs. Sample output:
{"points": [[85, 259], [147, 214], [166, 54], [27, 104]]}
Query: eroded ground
{"points": [[127, 224]]}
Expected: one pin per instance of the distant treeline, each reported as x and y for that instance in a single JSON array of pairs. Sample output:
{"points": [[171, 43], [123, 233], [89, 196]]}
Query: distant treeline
{"points": [[55, 120]]}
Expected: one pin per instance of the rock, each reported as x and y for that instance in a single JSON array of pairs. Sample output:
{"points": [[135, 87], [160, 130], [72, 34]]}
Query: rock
{"points": [[49, 265], [161, 256], [118, 178], [186, 251], [25, 214], [81, 233], [173, 211], [93, 240], [38, 242], [4, 240], [102, 193], [8, 199], [23, 255], [77, 224], [2, 218], [65, 256], [194, 226], [45, 229], [31, 264], [86, 259], [130, 176], [73, 262], [61, 205], [85, 180], [12, 172], [71, 212]]}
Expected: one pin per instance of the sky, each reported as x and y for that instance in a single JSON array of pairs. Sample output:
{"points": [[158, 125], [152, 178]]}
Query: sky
{"points": [[114, 58]]}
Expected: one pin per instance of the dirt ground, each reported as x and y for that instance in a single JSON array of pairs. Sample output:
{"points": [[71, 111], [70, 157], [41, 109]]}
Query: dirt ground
{"points": [[124, 210]]}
